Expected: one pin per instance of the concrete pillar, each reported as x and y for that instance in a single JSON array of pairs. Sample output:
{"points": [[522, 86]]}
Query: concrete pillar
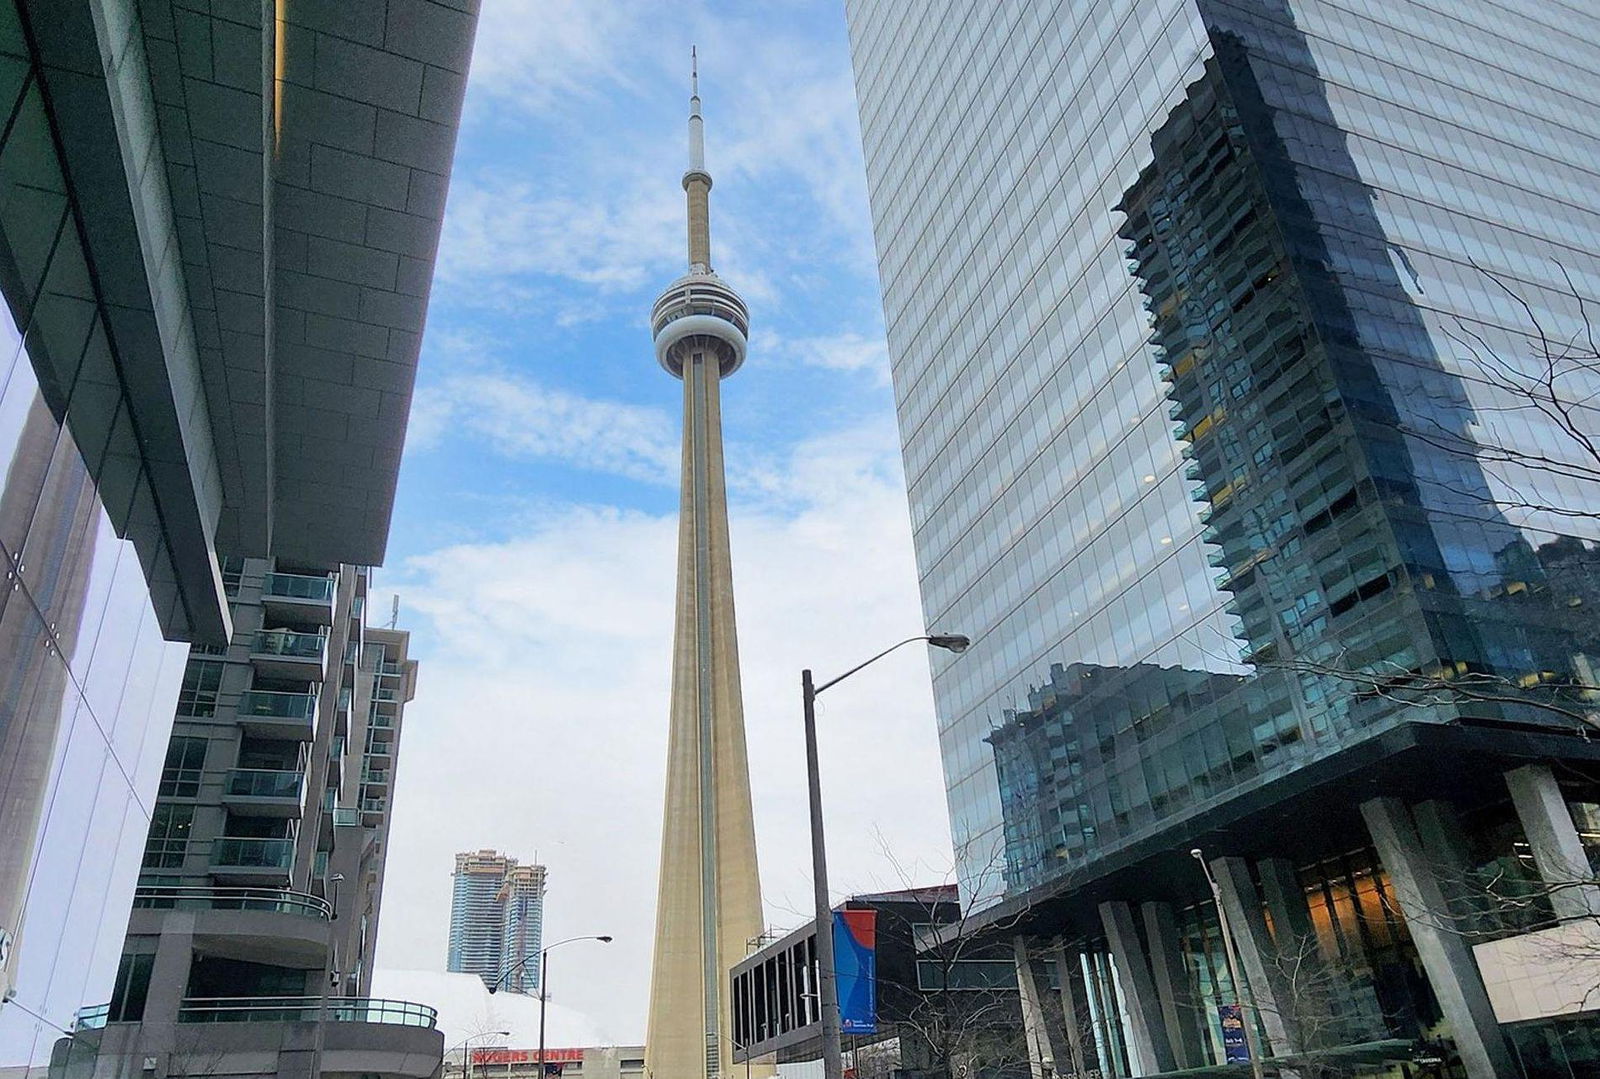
{"points": [[1446, 958], [1439, 828], [1286, 901], [1256, 951], [1557, 850], [1035, 1029], [1179, 1011], [1150, 1049], [1072, 1018]]}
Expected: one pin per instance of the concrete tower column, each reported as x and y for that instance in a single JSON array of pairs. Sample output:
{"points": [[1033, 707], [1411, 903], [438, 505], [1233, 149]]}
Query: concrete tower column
{"points": [[1557, 851], [709, 900]]}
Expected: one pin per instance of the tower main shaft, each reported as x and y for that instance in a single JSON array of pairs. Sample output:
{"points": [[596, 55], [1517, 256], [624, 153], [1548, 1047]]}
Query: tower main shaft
{"points": [[709, 900]]}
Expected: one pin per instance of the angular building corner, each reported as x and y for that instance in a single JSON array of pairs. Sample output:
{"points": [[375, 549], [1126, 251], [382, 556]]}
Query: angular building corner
{"points": [[709, 901], [1217, 329], [217, 234]]}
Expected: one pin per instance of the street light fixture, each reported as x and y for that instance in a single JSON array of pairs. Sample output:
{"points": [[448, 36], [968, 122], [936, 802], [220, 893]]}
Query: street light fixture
{"points": [[827, 988], [544, 981], [1240, 988], [466, 1066]]}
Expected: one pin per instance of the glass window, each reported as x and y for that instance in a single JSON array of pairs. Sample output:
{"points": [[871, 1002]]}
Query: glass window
{"points": [[201, 681]]}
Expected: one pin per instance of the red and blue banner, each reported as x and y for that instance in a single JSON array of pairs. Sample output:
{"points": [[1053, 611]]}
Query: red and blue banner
{"points": [[1235, 1046], [855, 965]]}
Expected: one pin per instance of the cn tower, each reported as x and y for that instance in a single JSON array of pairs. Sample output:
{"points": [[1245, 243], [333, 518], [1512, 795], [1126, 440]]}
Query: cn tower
{"points": [[709, 903]]}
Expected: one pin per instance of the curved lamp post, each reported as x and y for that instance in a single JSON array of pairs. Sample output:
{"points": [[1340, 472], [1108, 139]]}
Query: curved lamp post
{"points": [[466, 1065], [827, 989], [544, 981]]}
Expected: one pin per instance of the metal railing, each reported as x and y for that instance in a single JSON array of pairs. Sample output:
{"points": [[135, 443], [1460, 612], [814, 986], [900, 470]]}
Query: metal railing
{"points": [[288, 642], [272, 900], [277, 704], [306, 1010], [91, 1018], [264, 783], [297, 586], [242, 852]]}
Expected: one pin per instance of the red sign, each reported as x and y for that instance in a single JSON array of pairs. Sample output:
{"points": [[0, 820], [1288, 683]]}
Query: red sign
{"points": [[526, 1056]]}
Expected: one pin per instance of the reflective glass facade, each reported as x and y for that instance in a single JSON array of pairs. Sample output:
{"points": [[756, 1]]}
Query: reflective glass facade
{"points": [[1243, 375], [87, 683]]}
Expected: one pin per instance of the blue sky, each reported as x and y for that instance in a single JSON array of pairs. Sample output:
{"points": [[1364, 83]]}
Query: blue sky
{"points": [[534, 536]]}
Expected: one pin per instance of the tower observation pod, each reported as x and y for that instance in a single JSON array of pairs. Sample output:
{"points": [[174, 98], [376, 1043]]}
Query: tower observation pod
{"points": [[709, 901]]}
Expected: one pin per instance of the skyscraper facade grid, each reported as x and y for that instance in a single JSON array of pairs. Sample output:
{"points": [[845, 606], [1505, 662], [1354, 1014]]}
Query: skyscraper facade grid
{"points": [[1244, 370]]}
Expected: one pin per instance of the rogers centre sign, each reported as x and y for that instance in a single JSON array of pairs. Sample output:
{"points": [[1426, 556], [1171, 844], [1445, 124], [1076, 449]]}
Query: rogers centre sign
{"points": [[526, 1056]]}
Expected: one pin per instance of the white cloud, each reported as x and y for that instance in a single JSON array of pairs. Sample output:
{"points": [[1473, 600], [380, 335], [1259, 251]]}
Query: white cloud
{"points": [[538, 53], [520, 418], [546, 683], [847, 351]]}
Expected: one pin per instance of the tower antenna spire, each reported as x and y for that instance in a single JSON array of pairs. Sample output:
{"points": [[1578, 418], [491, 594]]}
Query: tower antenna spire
{"points": [[697, 181]]}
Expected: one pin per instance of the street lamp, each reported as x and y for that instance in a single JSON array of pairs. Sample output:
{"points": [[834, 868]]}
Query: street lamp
{"points": [[827, 990], [544, 982], [465, 1065], [1246, 998]]}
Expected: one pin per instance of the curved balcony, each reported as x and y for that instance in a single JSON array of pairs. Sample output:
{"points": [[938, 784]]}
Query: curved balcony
{"points": [[306, 1010], [272, 900]]}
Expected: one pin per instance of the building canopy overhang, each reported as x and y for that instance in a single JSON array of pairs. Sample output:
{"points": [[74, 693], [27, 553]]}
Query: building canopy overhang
{"points": [[260, 189]]}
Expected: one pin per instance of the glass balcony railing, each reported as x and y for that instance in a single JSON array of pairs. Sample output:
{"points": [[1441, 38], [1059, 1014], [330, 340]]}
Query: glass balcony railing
{"points": [[239, 852], [297, 586], [379, 720], [287, 642], [273, 900], [264, 783], [92, 1018], [305, 1010], [374, 805], [271, 703], [344, 817]]}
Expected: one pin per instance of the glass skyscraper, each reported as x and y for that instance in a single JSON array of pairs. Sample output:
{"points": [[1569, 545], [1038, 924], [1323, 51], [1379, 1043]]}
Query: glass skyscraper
{"points": [[1246, 377], [497, 920]]}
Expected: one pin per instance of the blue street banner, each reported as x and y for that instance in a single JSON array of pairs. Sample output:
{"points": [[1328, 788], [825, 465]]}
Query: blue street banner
{"points": [[1235, 1047], [855, 965]]}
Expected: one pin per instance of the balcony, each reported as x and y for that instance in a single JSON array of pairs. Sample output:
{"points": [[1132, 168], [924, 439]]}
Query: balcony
{"points": [[286, 653], [299, 598], [306, 1010], [253, 861], [264, 792], [91, 1018], [272, 900], [373, 809], [345, 817], [375, 777], [279, 715]]}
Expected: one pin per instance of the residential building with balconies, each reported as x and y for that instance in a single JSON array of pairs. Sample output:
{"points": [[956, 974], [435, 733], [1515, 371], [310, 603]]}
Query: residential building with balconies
{"points": [[255, 919], [218, 225]]}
